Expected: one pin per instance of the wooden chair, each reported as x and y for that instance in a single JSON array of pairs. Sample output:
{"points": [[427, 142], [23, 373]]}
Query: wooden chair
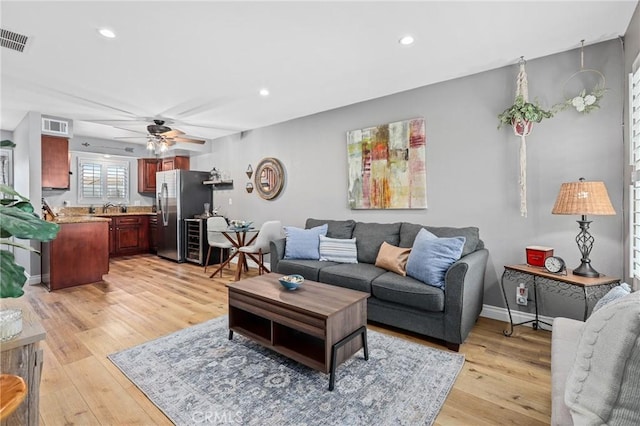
{"points": [[216, 239], [13, 390], [270, 231]]}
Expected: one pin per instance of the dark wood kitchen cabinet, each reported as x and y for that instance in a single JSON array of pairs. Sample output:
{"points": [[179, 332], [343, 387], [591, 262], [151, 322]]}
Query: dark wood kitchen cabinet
{"points": [[175, 163], [78, 255], [128, 235], [147, 168], [55, 162]]}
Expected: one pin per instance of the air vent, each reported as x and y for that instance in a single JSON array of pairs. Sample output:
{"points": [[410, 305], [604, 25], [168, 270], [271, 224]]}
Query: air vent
{"points": [[12, 40], [57, 127]]}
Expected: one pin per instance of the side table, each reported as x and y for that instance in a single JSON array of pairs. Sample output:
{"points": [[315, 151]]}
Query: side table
{"points": [[23, 357], [572, 285]]}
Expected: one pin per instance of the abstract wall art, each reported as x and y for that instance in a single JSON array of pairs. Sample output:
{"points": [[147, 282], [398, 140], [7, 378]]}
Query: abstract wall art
{"points": [[387, 166]]}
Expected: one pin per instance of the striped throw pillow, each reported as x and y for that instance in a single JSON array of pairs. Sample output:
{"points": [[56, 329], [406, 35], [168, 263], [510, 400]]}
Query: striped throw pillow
{"points": [[338, 250]]}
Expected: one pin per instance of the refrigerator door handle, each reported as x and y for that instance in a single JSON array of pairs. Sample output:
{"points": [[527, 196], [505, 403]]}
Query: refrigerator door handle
{"points": [[164, 208]]}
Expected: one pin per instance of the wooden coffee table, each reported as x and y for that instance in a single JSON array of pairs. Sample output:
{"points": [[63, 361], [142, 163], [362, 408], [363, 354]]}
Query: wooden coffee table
{"points": [[315, 325]]}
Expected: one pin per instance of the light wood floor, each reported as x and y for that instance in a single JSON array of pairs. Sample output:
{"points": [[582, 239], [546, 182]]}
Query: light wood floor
{"points": [[504, 380]]}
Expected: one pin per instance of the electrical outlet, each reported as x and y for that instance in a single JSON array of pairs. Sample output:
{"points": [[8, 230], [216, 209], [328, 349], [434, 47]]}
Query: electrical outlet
{"points": [[230, 201], [522, 295]]}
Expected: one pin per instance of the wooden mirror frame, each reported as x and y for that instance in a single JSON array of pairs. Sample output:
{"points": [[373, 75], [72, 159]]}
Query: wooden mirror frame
{"points": [[273, 182]]}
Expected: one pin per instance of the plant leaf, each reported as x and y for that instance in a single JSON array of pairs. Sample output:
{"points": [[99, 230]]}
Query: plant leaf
{"points": [[7, 144], [25, 225], [12, 278], [6, 189]]}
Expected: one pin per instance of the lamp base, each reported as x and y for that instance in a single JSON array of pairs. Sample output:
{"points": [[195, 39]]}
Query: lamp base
{"points": [[586, 270]]}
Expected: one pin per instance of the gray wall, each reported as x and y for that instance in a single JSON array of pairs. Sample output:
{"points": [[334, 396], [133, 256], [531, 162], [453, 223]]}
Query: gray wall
{"points": [[472, 168]]}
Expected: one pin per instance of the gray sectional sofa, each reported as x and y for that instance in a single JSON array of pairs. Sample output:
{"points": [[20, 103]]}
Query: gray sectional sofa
{"points": [[396, 300]]}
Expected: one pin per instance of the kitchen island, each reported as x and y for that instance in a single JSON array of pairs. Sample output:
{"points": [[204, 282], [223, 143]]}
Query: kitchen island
{"points": [[79, 254]]}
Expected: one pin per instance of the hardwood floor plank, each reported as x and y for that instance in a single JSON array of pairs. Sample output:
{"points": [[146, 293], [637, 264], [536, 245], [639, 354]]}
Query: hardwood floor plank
{"points": [[505, 380]]}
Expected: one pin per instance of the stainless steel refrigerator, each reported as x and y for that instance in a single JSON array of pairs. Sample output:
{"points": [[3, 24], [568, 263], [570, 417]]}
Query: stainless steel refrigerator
{"points": [[180, 195]]}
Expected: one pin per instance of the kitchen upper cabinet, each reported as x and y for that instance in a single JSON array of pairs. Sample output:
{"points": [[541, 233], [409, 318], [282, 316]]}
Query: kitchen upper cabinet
{"points": [[55, 162], [177, 162], [147, 168]]}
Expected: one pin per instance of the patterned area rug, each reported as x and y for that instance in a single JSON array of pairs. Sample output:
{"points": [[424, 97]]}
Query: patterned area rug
{"points": [[198, 376]]}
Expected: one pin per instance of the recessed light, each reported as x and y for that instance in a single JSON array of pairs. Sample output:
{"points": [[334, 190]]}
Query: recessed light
{"points": [[264, 92], [406, 40], [107, 33]]}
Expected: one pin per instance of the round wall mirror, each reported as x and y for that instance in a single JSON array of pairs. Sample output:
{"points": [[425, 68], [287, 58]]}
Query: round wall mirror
{"points": [[269, 178]]}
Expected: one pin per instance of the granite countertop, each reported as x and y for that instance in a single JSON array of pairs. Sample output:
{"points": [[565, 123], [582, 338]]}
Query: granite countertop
{"points": [[79, 219], [82, 215]]}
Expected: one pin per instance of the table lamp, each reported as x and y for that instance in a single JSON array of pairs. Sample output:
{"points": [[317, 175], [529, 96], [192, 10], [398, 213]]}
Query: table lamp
{"points": [[583, 198]]}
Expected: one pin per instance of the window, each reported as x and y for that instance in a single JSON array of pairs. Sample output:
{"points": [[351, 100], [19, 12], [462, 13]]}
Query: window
{"points": [[101, 181], [634, 208]]}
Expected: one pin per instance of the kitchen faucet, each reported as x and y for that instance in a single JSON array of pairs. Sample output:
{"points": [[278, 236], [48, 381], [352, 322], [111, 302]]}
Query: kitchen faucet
{"points": [[106, 205]]}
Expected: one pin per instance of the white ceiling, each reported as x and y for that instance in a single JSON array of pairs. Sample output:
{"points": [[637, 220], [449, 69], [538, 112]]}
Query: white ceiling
{"points": [[201, 64]]}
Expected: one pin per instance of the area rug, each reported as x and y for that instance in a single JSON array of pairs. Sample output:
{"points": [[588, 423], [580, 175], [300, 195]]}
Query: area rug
{"points": [[199, 376]]}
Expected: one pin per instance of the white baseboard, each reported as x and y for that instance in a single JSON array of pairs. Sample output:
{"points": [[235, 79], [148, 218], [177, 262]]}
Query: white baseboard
{"points": [[501, 314], [34, 279]]}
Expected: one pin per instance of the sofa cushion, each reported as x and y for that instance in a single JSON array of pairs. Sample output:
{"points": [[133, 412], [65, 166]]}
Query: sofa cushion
{"points": [[341, 250], [370, 236], [614, 294], [409, 231], [309, 269], [303, 243], [356, 276], [431, 257], [408, 291], [602, 387], [336, 228], [393, 259]]}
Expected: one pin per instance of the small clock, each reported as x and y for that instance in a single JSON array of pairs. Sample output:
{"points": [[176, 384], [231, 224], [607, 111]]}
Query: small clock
{"points": [[554, 264]]}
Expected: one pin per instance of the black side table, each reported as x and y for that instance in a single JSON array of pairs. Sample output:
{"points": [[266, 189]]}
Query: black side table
{"points": [[588, 289]]}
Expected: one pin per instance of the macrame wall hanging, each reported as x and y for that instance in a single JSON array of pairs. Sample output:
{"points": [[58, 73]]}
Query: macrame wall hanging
{"points": [[523, 129], [521, 116]]}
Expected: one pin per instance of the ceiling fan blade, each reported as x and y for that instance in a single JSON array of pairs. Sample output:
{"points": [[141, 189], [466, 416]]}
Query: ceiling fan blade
{"points": [[132, 137], [172, 133], [190, 140]]}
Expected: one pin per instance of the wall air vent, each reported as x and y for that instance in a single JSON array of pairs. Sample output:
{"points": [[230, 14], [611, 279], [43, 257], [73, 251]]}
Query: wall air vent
{"points": [[55, 127], [12, 40]]}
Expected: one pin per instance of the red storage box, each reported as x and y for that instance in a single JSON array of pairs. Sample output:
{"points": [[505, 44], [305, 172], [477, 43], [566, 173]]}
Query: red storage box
{"points": [[536, 255]]}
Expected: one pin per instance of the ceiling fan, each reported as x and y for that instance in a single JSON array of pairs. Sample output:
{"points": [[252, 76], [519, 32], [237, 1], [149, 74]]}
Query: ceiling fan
{"points": [[162, 136]]}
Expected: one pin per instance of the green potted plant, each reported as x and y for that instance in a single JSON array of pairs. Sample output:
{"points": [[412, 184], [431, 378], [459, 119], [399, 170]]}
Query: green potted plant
{"points": [[17, 219], [522, 114]]}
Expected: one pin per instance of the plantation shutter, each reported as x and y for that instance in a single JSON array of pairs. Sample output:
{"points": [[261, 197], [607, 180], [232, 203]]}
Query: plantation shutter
{"points": [[91, 180], [100, 181], [117, 182], [634, 109]]}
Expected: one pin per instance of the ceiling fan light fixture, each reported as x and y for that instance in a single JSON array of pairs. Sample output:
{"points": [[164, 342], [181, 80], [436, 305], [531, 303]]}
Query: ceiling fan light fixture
{"points": [[107, 32], [150, 145], [164, 146]]}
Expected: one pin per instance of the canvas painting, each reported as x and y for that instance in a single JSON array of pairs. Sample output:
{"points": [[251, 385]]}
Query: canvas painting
{"points": [[387, 166]]}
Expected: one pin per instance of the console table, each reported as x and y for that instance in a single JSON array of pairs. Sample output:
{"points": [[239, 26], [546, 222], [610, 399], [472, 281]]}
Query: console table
{"points": [[567, 284]]}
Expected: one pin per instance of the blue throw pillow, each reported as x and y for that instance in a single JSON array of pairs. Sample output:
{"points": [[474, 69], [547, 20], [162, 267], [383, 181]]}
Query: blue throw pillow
{"points": [[431, 257], [340, 250], [303, 243]]}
